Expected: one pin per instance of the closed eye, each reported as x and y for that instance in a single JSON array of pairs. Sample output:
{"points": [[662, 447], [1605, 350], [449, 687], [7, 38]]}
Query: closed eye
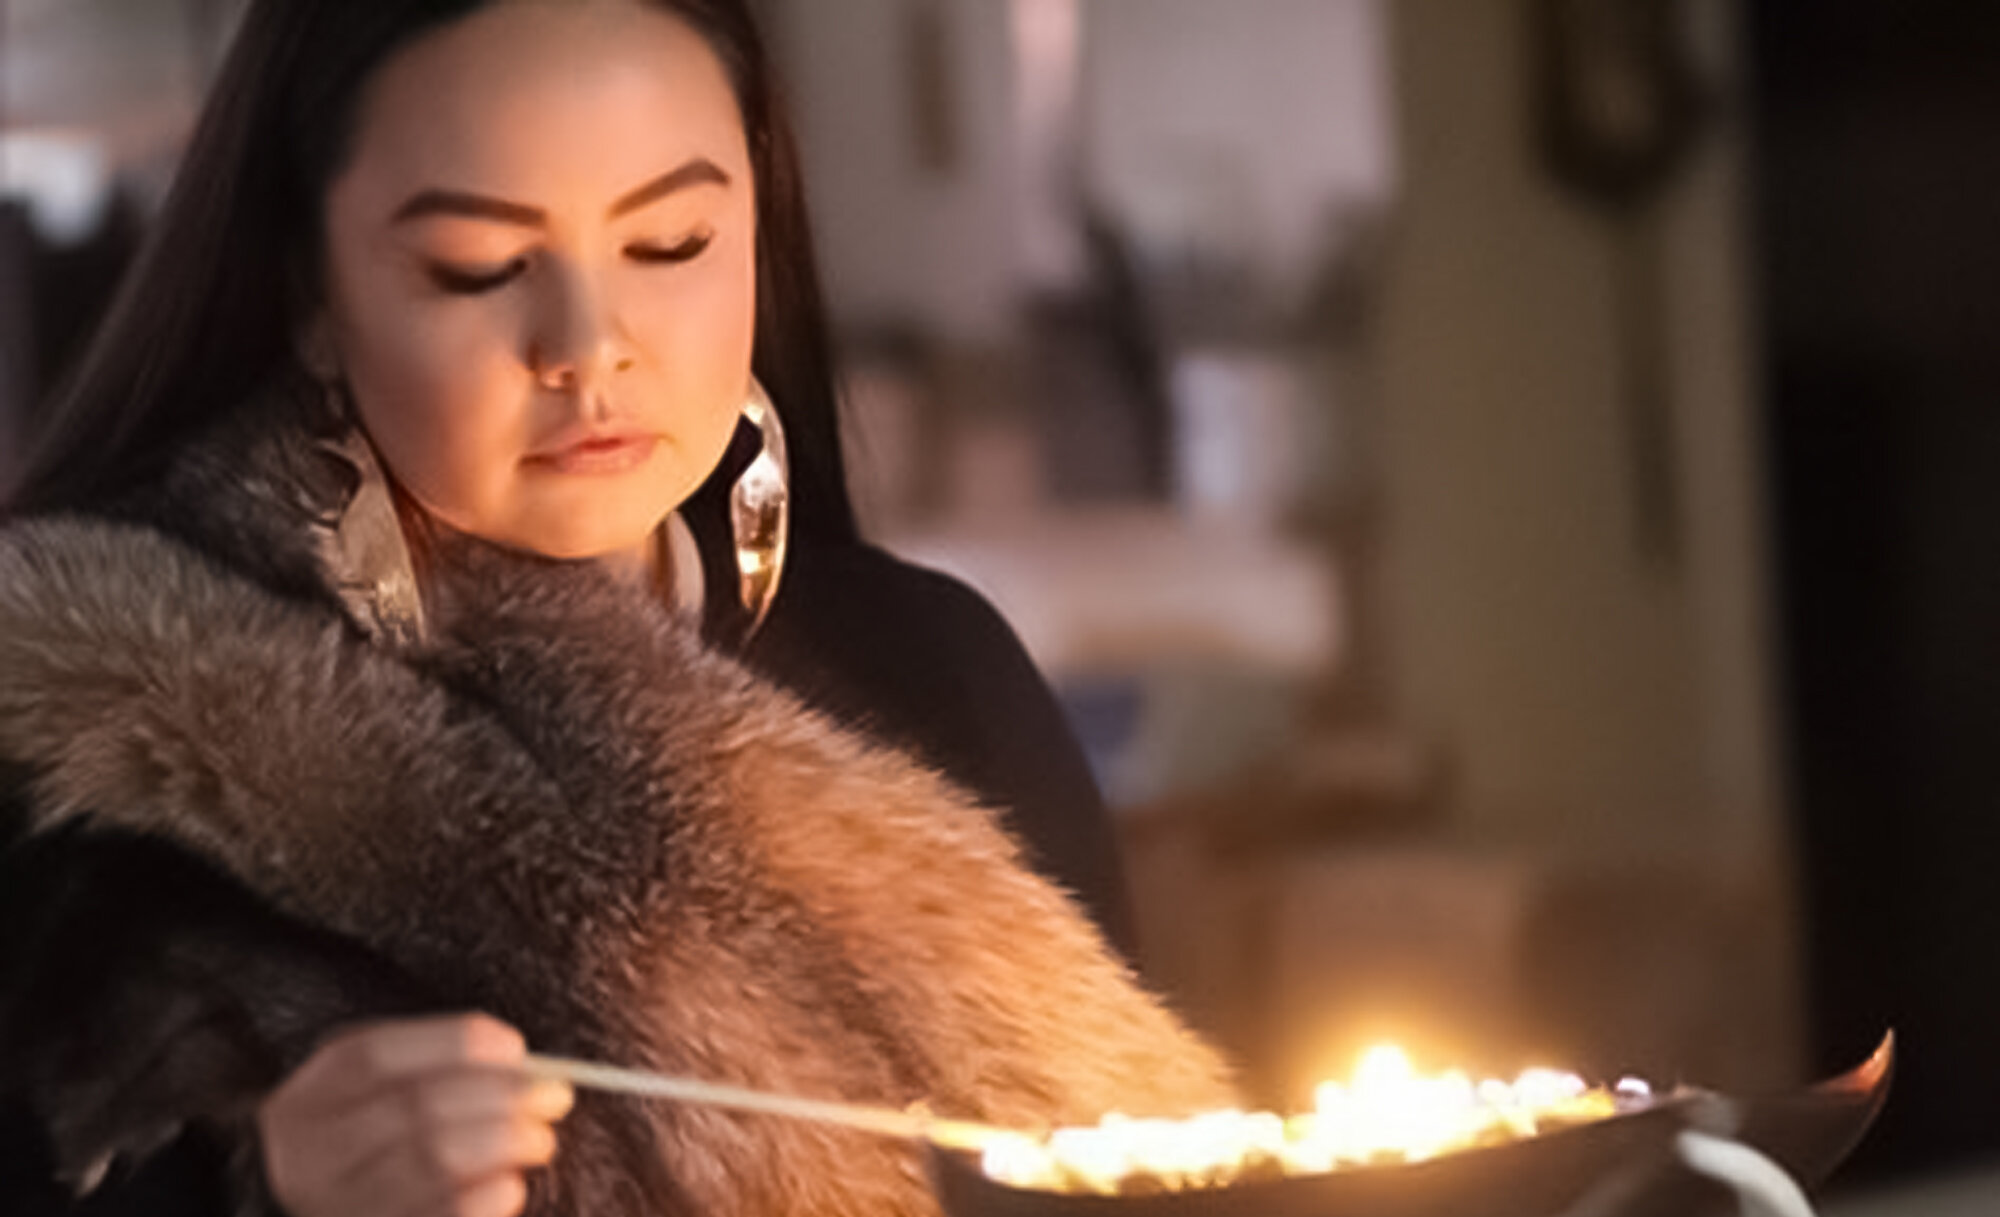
{"points": [[475, 281], [671, 255]]}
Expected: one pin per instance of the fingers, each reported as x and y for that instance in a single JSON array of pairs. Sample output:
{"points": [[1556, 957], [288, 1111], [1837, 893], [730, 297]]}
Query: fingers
{"points": [[501, 1197], [411, 1119], [411, 1113], [360, 1062], [452, 1168]]}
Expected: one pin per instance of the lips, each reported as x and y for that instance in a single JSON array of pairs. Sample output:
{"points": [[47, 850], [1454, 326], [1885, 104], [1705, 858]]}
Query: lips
{"points": [[597, 455]]}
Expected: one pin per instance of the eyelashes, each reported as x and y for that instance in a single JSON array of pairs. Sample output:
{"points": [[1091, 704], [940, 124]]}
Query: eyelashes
{"points": [[674, 255], [462, 281]]}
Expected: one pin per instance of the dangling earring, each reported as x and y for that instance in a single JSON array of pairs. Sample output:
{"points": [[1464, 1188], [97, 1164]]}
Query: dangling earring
{"points": [[361, 542], [760, 512]]}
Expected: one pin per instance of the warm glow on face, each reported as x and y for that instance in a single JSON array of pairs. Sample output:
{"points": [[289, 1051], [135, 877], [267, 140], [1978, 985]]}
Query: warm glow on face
{"points": [[1388, 1113], [541, 272]]}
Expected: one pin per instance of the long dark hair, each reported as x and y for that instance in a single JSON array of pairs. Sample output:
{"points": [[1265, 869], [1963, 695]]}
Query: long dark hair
{"points": [[208, 312]]}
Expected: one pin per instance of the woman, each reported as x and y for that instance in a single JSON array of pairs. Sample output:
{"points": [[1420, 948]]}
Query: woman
{"points": [[348, 676]]}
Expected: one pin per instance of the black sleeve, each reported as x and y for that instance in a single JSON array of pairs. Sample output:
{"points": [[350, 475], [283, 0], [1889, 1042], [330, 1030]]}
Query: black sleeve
{"points": [[922, 661], [188, 1178], [147, 1001]]}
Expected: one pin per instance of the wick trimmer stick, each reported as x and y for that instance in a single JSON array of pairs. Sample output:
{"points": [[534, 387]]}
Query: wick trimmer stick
{"points": [[885, 1121]]}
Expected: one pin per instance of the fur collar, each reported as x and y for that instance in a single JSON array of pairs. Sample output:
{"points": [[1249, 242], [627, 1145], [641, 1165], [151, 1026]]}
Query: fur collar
{"points": [[562, 809]]}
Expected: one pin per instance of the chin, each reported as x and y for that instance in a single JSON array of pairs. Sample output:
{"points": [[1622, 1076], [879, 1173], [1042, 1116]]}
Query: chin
{"points": [[578, 547], [571, 536], [576, 527]]}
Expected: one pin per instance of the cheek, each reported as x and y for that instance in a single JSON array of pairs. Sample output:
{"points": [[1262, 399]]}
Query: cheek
{"points": [[434, 389], [699, 332]]}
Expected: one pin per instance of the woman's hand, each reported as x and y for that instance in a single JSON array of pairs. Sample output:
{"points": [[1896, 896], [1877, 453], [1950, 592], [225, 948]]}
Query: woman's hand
{"points": [[419, 1118]]}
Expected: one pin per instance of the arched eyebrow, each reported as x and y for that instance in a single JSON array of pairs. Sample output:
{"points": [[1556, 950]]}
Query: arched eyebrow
{"points": [[698, 172], [427, 203]]}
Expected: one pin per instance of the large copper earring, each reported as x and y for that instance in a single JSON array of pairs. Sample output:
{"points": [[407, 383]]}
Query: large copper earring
{"points": [[760, 507]]}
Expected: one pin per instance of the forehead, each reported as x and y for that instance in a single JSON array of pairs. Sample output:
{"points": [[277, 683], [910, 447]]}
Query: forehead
{"points": [[538, 98]]}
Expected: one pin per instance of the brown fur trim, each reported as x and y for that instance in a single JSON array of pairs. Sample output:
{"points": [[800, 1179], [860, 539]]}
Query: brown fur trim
{"points": [[565, 811]]}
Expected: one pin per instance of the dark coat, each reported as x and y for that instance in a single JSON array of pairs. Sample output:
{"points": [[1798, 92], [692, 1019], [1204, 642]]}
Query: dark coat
{"points": [[233, 822], [919, 660]]}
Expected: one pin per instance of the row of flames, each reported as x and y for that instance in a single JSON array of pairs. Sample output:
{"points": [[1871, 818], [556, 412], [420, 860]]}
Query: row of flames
{"points": [[1388, 1113]]}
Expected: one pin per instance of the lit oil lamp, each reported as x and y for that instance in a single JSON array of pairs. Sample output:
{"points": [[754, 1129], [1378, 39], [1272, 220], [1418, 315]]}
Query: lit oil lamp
{"points": [[1395, 1143]]}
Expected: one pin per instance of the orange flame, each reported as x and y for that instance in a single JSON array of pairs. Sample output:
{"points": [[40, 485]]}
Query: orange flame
{"points": [[1388, 1113]]}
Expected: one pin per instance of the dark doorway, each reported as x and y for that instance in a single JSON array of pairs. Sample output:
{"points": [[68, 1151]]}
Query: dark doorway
{"points": [[1879, 216]]}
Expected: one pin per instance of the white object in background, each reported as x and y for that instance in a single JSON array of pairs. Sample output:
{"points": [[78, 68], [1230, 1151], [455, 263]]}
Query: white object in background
{"points": [[1762, 1187], [1127, 590], [1240, 436], [65, 178]]}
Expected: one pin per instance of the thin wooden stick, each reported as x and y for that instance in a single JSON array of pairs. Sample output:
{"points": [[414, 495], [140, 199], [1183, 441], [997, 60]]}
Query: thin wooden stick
{"points": [[884, 1121]]}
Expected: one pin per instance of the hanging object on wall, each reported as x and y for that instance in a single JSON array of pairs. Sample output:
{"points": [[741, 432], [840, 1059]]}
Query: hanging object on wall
{"points": [[1621, 107], [932, 86], [1621, 101]]}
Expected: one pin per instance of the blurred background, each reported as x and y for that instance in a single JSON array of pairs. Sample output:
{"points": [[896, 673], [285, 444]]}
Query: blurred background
{"points": [[1507, 490]]}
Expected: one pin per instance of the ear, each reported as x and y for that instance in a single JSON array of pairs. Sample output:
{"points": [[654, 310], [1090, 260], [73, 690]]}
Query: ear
{"points": [[313, 339], [317, 352]]}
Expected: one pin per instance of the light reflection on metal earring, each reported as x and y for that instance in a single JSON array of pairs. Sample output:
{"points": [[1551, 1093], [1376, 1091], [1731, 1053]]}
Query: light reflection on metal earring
{"points": [[360, 539], [760, 511]]}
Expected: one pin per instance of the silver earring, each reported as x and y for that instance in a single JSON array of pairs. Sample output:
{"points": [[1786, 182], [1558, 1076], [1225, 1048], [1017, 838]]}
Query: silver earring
{"points": [[362, 546], [760, 507]]}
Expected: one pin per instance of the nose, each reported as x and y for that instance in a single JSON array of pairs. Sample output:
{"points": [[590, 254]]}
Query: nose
{"points": [[577, 343]]}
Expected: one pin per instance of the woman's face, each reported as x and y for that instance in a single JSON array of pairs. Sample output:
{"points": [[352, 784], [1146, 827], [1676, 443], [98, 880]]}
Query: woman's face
{"points": [[540, 267]]}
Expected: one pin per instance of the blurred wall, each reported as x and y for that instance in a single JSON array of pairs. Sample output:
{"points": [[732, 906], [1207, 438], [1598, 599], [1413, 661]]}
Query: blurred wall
{"points": [[903, 241], [1249, 124], [1168, 91], [1592, 697], [129, 71], [1589, 695]]}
